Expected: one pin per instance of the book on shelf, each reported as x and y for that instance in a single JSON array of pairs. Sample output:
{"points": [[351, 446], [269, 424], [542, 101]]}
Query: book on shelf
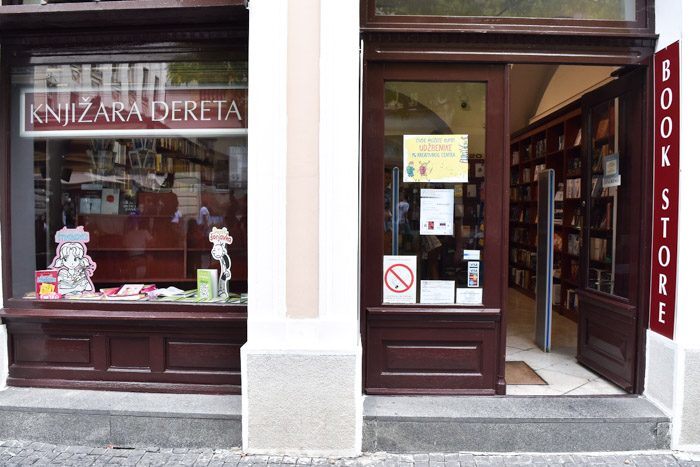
{"points": [[573, 270], [539, 168], [515, 157], [602, 128], [577, 140], [573, 244], [110, 201], [598, 249], [560, 142], [573, 188]]}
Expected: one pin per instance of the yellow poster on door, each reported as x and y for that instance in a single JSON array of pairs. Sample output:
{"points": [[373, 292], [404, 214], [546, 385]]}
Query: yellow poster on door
{"points": [[436, 158]]}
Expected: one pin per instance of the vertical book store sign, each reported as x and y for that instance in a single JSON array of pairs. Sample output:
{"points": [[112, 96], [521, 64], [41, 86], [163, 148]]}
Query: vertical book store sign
{"points": [[666, 172], [399, 279]]}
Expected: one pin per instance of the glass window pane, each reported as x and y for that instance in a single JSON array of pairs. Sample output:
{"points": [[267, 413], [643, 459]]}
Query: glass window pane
{"points": [[613, 10], [610, 222], [418, 112], [148, 159]]}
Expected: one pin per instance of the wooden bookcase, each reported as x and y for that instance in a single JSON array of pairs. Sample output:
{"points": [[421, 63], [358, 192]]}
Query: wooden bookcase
{"points": [[552, 143]]}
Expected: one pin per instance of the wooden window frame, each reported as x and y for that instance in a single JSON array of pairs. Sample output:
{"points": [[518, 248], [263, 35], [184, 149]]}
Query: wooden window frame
{"points": [[84, 47], [643, 25]]}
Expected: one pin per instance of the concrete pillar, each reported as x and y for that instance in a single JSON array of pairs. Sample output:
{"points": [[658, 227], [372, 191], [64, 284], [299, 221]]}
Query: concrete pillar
{"points": [[301, 365], [673, 366]]}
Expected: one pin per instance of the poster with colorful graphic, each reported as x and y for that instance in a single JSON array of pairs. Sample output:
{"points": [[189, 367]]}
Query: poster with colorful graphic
{"points": [[436, 158]]}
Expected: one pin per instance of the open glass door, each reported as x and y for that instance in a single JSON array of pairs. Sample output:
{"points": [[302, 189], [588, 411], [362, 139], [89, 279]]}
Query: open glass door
{"points": [[611, 280]]}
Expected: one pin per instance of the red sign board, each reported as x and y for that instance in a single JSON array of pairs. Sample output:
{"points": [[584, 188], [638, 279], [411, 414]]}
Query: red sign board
{"points": [[666, 173], [155, 112]]}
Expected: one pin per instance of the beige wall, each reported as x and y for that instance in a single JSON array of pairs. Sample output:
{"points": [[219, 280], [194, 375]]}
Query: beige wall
{"points": [[567, 84], [303, 90]]}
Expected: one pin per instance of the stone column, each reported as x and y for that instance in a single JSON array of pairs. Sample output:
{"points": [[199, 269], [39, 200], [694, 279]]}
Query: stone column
{"points": [[301, 365]]}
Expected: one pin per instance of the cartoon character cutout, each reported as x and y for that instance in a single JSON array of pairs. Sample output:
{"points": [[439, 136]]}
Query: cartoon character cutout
{"points": [[75, 267], [220, 238]]}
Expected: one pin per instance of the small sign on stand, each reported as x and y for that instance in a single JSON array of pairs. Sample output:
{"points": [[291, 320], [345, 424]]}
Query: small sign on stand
{"points": [[220, 238]]}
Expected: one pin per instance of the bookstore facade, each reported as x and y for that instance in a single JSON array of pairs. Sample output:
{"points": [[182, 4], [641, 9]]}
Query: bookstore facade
{"points": [[124, 190], [385, 224]]}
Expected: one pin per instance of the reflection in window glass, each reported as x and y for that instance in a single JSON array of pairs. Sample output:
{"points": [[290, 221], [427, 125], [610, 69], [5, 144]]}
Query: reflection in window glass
{"points": [[612, 10], [418, 112], [148, 158]]}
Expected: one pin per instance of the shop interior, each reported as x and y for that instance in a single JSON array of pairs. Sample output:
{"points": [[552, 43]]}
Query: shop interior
{"points": [[538, 92]]}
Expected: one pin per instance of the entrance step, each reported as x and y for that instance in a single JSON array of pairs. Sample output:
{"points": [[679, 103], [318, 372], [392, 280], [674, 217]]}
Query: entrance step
{"points": [[513, 424], [125, 419]]}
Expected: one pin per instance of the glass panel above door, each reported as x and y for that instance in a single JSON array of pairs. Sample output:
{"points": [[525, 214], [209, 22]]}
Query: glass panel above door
{"points": [[607, 10]]}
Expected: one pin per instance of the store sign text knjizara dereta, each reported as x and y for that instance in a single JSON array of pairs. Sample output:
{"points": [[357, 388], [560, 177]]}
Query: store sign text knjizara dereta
{"points": [[666, 174], [161, 112]]}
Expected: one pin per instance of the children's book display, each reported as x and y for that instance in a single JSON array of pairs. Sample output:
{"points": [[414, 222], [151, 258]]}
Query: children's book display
{"points": [[69, 276]]}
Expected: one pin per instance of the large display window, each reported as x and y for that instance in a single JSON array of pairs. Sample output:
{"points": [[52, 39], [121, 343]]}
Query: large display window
{"points": [[128, 182]]}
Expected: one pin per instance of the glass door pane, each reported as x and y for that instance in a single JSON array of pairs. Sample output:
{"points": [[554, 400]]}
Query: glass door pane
{"points": [[608, 231], [434, 152]]}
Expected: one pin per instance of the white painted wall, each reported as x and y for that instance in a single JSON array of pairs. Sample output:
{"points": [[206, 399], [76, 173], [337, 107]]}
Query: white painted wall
{"points": [[304, 373], [676, 391], [568, 83]]}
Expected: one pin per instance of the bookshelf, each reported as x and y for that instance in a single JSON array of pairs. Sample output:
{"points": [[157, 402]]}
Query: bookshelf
{"points": [[603, 206], [552, 143]]}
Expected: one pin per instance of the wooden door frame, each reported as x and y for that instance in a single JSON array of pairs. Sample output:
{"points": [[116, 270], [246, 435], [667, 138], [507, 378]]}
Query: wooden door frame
{"points": [[423, 47]]}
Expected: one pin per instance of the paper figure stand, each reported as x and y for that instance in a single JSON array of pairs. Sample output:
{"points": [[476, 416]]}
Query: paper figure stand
{"points": [[220, 238], [75, 268]]}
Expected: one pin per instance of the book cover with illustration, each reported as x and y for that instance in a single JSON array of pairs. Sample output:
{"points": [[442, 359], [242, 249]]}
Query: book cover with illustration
{"points": [[207, 283], [47, 284]]}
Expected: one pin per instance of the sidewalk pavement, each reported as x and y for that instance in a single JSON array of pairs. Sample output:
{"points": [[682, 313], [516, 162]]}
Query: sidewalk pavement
{"points": [[13, 452]]}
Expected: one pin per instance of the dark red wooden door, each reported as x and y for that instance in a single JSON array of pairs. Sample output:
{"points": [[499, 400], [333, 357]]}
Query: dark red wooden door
{"points": [[614, 288], [434, 343]]}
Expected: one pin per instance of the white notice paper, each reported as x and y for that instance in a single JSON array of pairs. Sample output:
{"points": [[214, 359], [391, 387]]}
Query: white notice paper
{"points": [[436, 211], [470, 296], [437, 292]]}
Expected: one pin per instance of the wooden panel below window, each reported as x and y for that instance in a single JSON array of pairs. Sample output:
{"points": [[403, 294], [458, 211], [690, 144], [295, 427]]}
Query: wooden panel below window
{"points": [[57, 350], [195, 356], [129, 352], [432, 353], [190, 354]]}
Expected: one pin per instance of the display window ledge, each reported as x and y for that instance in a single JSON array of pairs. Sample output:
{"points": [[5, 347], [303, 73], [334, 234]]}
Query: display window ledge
{"points": [[55, 310]]}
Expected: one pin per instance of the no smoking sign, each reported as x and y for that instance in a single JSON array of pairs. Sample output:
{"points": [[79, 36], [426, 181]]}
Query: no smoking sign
{"points": [[399, 279]]}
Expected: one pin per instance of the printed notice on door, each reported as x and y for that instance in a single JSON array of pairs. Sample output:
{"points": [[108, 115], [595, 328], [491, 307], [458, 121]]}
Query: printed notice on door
{"points": [[436, 158], [436, 211]]}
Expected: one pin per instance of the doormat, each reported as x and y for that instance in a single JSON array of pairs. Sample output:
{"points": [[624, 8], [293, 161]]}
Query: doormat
{"points": [[520, 373]]}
